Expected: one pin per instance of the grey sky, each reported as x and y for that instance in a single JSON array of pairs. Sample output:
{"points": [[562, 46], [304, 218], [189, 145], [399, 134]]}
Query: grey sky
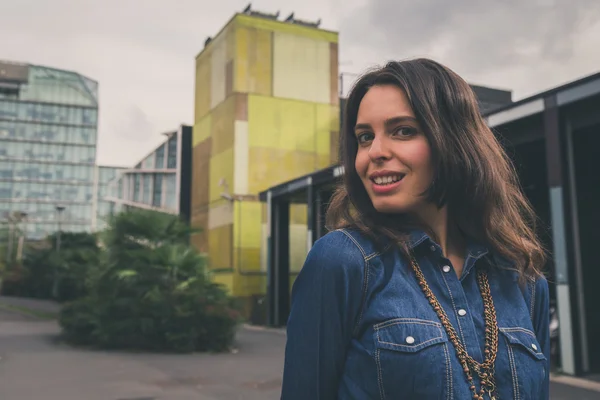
{"points": [[142, 51]]}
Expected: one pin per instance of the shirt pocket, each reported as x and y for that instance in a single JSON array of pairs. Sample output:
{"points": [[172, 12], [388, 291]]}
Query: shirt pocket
{"points": [[526, 362], [411, 355]]}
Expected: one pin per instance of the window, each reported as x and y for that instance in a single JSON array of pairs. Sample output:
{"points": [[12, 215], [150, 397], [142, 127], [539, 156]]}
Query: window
{"points": [[157, 192], [147, 189], [160, 157], [136, 187], [170, 195], [172, 153]]}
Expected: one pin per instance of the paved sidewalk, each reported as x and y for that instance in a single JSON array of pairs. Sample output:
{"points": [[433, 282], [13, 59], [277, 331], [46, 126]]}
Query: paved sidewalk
{"points": [[33, 365]]}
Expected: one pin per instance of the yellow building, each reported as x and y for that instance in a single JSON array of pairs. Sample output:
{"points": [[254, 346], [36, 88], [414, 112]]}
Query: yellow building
{"points": [[266, 111]]}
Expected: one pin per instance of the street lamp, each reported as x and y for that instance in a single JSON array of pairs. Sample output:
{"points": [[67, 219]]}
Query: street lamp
{"points": [[59, 209]]}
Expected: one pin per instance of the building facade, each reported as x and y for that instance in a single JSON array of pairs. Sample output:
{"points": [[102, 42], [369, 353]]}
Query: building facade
{"points": [[266, 110], [48, 132], [103, 175], [160, 181]]}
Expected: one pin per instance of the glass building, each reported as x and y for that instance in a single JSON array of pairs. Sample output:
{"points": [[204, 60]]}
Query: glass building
{"points": [[103, 176], [48, 130], [161, 181]]}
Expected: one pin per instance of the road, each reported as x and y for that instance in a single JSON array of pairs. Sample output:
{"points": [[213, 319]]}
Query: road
{"points": [[34, 365]]}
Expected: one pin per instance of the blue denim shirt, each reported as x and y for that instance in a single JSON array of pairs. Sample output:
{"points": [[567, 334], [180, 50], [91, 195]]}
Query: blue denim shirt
{"points": [[353, 309]]}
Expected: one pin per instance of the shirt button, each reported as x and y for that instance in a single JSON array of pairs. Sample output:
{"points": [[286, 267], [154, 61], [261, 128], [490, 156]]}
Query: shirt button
{"points": [[533, 346], [410, 340], [462, 312], [432, 248], [446, 268]]}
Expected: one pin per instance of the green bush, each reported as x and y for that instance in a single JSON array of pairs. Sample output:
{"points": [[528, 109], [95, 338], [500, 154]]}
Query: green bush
{"points": [[151, 291], [47, 274]]}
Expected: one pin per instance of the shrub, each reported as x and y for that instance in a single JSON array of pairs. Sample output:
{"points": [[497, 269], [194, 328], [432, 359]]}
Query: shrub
{"points": [[152, 292]]}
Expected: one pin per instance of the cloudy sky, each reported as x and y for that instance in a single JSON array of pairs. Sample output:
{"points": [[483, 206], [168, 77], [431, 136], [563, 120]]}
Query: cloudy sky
{"points": [[142, 51]]}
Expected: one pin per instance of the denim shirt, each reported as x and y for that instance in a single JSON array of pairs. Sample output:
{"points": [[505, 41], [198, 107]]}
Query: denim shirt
{"points": [[361, 328]]}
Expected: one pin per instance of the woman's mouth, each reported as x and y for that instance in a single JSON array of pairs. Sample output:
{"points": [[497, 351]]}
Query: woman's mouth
{"points": [[385, 184], [387, 180]]}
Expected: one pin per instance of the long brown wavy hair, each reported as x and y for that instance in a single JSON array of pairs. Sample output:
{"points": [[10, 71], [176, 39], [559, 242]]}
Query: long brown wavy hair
{"points": [[473, 175]]}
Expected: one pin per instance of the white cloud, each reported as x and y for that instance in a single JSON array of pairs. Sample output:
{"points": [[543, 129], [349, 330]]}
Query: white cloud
{"points": [[142, 52]]}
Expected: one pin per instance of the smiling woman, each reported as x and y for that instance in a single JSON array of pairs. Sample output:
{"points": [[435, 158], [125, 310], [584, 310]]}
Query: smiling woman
{"points": [[430, 285]]}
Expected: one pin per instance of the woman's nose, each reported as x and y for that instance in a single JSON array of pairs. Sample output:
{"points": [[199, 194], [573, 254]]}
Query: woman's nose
{"points": [[378, 150]]}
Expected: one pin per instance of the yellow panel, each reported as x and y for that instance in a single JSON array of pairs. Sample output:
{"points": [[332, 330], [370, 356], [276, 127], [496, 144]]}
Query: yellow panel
{"points": [[249, 285], [241, 60], [270, 167], [225, 279], [301, 68], [202, 89], [288, 124], [263, 247], [223, 127], [230, 46], [247, 259], [217, 69], [324, 161], [253, 61], [220, 215], [219, 247], [298, 214], [221, 167], [240, 153], [334, 118], [247, 224], [298, 246], [201, 130], [279, 26], [260, 63], [324, 122]]}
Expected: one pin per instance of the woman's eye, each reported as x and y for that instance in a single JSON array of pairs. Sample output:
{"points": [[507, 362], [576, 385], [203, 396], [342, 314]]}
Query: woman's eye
{"points": [[364, 137], [405, 131]]}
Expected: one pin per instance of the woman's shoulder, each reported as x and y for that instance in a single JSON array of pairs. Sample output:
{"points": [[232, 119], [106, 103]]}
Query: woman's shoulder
{"points": [[346, 242]]}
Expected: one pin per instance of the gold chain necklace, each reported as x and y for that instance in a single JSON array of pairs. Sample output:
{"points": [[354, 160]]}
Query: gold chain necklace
{"points": [[484, 370]]}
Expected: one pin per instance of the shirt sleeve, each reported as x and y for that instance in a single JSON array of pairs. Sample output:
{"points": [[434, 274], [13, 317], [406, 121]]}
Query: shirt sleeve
{"points": [[542, 328], [325, 303]]}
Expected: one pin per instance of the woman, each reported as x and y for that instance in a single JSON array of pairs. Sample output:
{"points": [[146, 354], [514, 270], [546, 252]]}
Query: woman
{"points": [[430, 287]]}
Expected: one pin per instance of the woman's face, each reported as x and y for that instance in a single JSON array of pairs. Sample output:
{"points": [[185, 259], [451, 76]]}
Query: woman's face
{"points": [[394, 157]]}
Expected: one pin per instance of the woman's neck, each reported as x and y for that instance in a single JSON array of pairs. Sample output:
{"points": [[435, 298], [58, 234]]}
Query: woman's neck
{"points": [[446, 232]]}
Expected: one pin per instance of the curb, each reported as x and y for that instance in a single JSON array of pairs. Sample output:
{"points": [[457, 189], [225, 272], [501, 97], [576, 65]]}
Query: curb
{"points": [[260, 328], [38, 314], [580, 383]]}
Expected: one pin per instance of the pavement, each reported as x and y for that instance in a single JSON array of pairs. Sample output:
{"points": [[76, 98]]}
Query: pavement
{"points": [[35, 365]]}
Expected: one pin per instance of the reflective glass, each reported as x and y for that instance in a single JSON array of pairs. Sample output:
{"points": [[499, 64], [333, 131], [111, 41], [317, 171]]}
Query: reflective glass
{"points": [[157, 190], [170, 195], [160, 157], [172, 152], [147, 199]]}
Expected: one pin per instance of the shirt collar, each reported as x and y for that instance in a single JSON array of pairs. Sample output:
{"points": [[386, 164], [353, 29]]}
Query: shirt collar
{"points": [[474, 248]]}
